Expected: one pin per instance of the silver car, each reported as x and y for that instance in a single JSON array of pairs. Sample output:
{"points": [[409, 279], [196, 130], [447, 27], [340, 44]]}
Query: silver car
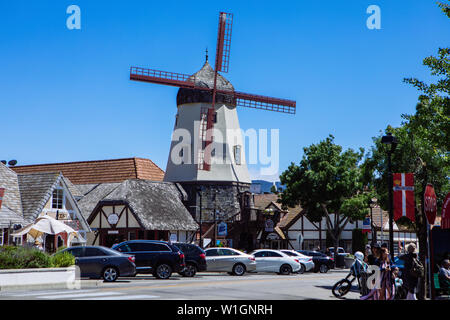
{"points": [[306, 262], [268, 260], [229, 260]]}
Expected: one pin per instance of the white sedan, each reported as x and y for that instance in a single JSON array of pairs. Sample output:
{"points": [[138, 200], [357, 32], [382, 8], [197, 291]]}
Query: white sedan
{"points": [[268, 260], [306, 262]]}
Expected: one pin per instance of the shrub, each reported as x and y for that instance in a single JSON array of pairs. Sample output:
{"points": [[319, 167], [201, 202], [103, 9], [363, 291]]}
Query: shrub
{"points": [[12, 257], [62, 260]]}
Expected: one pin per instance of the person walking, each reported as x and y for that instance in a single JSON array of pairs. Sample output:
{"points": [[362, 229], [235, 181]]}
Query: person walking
{"points": [[387, 290], [413, 269]]}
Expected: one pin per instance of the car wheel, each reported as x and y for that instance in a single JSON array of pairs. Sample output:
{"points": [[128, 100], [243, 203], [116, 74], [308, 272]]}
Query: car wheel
{"points": [[238, 269], [323, 268], [302, 269], [110, 274], [285, 269], [190, 270], [163, 271]]}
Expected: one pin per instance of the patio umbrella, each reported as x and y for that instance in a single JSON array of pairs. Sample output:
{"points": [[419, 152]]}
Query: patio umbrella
{"points": [[44, 224]]}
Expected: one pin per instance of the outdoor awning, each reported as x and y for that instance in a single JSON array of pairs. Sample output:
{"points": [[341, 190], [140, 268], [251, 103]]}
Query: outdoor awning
{"points": [[44, 224]]}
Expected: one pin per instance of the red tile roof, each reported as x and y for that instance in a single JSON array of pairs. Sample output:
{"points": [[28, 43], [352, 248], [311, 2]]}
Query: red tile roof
{"points": [[100, 171]]}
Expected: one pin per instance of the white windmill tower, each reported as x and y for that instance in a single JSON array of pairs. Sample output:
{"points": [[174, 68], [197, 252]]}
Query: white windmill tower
{"points": [[206, 155]]}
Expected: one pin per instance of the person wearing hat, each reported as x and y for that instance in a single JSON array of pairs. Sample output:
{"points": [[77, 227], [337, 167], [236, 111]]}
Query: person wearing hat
{"points": [[38, 245]]}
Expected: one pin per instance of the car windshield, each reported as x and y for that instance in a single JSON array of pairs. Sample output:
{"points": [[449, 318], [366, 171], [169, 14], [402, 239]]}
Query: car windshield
{"points": [[290, 253]]}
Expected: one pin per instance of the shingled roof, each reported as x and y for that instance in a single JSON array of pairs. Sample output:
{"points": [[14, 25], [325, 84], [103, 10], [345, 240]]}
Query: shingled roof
{"points": [[157, 205], [205, 78], [35, 190], [101, 171], [9, 181]]}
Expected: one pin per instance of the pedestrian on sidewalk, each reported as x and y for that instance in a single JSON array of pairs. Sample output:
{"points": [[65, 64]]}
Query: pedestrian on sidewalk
{"points": [[412, 271], [387, 290]]}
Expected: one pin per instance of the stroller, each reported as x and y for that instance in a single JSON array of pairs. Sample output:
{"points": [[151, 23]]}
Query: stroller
{"points": [[358, 271]]}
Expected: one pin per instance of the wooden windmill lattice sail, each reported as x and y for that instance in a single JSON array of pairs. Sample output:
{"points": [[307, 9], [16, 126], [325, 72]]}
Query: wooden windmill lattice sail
{"points": [[222, 61]]}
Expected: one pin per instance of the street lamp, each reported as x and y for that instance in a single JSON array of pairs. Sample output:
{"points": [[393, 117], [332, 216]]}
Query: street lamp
{"points": [[199, 192], [389, 139], [372, 203]]}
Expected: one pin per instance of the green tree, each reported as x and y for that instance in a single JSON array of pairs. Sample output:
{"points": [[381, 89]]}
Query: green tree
{"points": [[423, 143], [327, 181]]}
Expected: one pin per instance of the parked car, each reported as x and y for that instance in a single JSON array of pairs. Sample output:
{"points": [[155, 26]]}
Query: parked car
{"points": [[340, 251], [101, 262], [157, 257], [194, 257], [229, 260], [306, 262], [268, 260], [322, 262]]}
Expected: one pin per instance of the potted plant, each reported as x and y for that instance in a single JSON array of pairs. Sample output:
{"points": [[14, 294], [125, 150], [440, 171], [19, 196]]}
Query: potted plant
{"points": [[348, 260]]}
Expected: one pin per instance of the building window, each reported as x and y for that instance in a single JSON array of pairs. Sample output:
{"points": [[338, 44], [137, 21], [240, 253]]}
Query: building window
{"points": [[58, 199], [1, 237], [17, 241], [237, 154]]}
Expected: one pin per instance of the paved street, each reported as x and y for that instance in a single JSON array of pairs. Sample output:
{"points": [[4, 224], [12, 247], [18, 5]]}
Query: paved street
{"points": [[204, 286]]}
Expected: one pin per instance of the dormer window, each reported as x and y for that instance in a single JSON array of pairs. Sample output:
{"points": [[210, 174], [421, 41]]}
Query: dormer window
{"points": [[58, 199]]}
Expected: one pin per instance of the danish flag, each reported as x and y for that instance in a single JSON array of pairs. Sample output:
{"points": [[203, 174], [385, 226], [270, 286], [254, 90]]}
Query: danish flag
{"points": [[404, 204]]}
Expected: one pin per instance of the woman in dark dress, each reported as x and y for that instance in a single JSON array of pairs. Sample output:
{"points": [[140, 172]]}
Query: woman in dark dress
{"points": [[409, 279], [387, 291]]}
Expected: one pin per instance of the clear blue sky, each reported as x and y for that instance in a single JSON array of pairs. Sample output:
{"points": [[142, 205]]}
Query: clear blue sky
{"points": [[65, 95]]}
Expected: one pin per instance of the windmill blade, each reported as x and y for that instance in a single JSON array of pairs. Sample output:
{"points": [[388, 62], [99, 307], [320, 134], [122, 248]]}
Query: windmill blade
{"points": [[224, 42], [162, 77], [265, 103]]}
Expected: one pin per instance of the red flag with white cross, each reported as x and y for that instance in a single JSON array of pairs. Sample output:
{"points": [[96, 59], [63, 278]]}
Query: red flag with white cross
{"points": [[404, 203]]}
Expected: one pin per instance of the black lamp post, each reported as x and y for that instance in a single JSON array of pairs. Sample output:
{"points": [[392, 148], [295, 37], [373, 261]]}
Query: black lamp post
{"points": [[390, 139], [199, 192], [372, 203]]}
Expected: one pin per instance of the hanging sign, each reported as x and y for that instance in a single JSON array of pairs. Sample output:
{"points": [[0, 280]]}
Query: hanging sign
{"points": [[366, 225], [269, 225], [404, 204], [430, 203], [222, 229], [445, 217]]}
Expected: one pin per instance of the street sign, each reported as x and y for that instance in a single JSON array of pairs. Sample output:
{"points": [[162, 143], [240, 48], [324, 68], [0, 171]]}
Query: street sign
{"points": [[222, 229], [430, 203], [366, 225]]}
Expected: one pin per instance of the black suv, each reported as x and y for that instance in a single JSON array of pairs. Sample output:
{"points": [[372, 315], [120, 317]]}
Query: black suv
{"points": [[194, 257], [157, 257], [322, 262]]}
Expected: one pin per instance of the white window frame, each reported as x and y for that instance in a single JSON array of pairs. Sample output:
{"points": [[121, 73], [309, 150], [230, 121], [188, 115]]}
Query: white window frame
{"points": [[237, 151], [1, 237], [63, 198], [17, 240]]}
